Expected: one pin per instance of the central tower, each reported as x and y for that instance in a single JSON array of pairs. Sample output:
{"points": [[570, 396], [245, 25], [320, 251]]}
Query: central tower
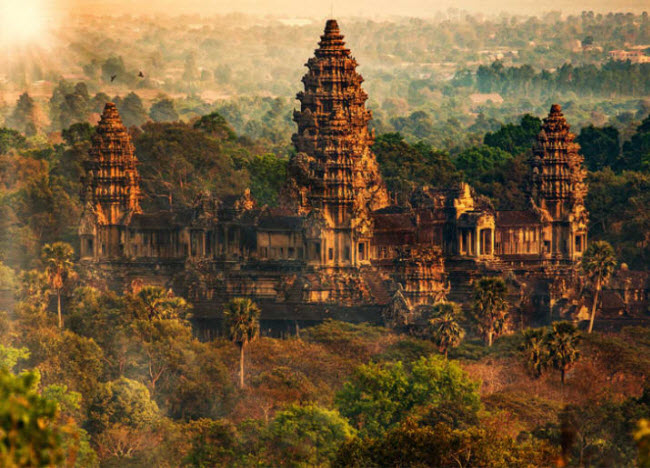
{"points": [[334, 177]]}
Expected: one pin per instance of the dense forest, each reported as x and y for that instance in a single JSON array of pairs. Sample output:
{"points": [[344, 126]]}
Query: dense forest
{"points": [[93, 377]]}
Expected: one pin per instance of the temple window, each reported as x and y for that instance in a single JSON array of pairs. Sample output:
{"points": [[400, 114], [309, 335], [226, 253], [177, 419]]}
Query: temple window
{"points": [[292, 252], [578, 243], [362, 251], [330, 253]]}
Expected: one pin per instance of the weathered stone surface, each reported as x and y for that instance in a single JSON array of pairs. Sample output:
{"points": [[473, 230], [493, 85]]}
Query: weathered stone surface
{"points": [[112, 182], [337, 248], [334, 169]]}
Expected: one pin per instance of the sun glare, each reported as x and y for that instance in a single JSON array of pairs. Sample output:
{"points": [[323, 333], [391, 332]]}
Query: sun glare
{"points": [[21, 21]]}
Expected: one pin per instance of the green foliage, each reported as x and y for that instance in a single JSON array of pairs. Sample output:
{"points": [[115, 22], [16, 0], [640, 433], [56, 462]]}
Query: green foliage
{"points": [[563, 342], [9, 356], [535, 351], [213, 443], [23, 118], [11, 139], [476, 162], [179, 162], [490, 308], [29, 434], [410, 444], [268, 174], [618, 213], [163, 111], [636, 152], [444, 328], [598, 265], [155, 303], [600, 147], [405, 166], [78, 133], [599, 261], [131, 110], [349, 339], [379, 396], [124, 402], [515, 139], [602, 433], [242, 320], [215, 125], [308, 435]]}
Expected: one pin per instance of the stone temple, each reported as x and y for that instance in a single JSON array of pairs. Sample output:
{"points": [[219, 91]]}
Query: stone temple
{"points": [[337, 246]]}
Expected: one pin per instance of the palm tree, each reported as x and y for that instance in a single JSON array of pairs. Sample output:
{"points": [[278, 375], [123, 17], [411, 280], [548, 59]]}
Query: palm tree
{"points": [[535, 349], [242, 317], [444, 329], [57, 258], [598, 263], [490, 309], [563, 342]]}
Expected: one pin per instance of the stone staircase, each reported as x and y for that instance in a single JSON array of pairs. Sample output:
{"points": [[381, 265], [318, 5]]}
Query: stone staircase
{"points": [[376, 285]]}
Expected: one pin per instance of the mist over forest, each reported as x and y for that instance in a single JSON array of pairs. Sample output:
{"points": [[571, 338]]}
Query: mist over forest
{"points": [[121, 378]]}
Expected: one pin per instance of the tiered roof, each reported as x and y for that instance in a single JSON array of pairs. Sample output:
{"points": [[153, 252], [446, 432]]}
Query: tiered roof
{"points": [[557, 180], [336, 168], [112, 180]]}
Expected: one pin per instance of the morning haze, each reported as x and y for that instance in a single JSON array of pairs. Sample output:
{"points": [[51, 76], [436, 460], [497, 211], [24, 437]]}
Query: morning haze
{"points": [[285, 234], [362, 8]]}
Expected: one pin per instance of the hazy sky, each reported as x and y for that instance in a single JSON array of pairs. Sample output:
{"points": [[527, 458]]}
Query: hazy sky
{"points": [[370, 8]]}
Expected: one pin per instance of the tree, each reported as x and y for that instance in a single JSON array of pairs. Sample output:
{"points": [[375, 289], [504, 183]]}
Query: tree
{"points": [[242, 319], [57, 258], [599, 146], [563, 342], [379, 396], [268, 174], [489, 307], [513, 138], [33, 288], [535, 351], [29, 434], [215, 125], [122, 402], [598, 264], [163, 111], [444, 329], [11, 139], [23, 117], [308, 435], [131, 110], [636, 151]]}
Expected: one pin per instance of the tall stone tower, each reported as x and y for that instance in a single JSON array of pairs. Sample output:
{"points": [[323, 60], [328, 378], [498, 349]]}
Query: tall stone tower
{"points": [[334, 177], [558, 188], [111, 186]]}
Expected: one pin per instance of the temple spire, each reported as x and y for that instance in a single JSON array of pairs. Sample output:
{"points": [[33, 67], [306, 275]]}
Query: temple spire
{"points": [[333, 130], [112, 182], [557, 185]]}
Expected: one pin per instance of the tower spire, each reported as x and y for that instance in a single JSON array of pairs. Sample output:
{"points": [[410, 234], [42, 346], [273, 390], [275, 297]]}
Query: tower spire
{"points": [[112, 182]]}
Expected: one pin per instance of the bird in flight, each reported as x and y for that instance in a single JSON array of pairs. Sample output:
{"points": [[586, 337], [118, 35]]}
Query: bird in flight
{"points": [[141, 75], [113, 78]]}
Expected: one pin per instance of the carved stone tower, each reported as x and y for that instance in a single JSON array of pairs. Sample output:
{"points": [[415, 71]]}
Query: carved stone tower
{"points": [[334, 176], [558, 188], [112, 181], [111, 187]]}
